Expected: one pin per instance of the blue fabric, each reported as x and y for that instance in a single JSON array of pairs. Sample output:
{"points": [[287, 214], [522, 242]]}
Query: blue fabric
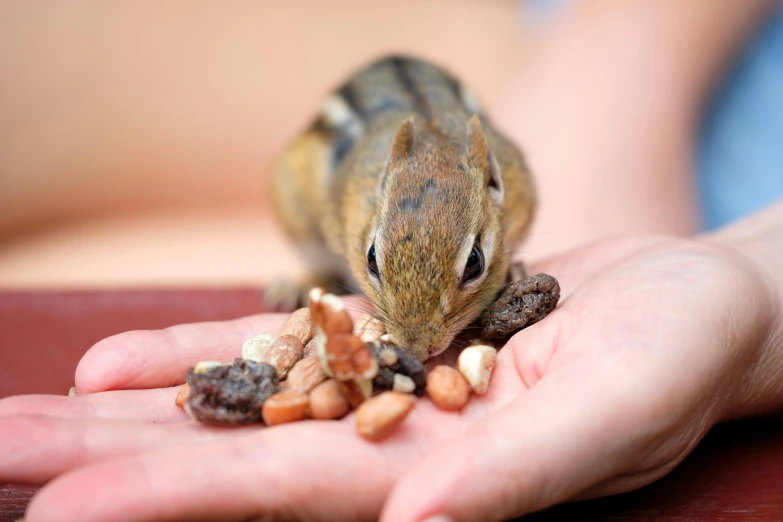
{"points": [[740, 150]]}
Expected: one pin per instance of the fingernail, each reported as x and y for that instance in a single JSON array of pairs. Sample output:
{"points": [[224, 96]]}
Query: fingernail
{"points": [[438, 518]]}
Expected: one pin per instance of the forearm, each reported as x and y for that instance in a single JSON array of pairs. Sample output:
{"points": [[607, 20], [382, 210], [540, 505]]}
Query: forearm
{"points": [[606, 107], [759, 239]]}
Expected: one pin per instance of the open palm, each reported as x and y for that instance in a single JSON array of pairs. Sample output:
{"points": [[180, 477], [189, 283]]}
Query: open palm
{"points": [[607, 394]]}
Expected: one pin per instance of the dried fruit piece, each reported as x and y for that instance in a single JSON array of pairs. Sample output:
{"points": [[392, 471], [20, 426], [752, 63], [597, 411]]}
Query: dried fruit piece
{"points": [[356, 392], [284, 353], [405, 363], [368, 328], [230, 394], [376, 418], [327, 401], [475, 363], [305, 375], [523, 303], [403, 384], [298, 324], [447, 389], [256, 347], [182, 395], [284, 407]]}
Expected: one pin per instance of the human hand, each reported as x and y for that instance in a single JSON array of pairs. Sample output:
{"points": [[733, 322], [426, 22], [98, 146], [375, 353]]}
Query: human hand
{"points": [[607, 394]]}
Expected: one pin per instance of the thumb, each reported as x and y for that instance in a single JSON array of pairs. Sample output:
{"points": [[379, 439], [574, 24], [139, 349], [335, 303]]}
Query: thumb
{"points": [[550, 443]]}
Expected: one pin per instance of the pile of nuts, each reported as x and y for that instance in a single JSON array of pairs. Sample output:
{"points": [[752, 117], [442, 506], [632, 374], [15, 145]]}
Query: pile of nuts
{"points": [[322, 366]]}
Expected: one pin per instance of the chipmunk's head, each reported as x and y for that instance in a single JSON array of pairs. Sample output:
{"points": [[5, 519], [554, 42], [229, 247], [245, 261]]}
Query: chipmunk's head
{"points": [[434, 255]]}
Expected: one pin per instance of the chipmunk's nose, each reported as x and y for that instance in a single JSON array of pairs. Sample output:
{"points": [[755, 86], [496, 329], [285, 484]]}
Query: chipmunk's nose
{"points": [[414, 340], [421, 340]]}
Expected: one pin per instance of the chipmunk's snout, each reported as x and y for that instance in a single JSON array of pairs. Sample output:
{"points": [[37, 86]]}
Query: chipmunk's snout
{"points": [[425, 339]]}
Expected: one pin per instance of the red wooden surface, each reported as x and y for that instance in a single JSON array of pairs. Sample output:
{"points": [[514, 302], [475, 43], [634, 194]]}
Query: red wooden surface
{"points": [[44, 334], [735, 474]]}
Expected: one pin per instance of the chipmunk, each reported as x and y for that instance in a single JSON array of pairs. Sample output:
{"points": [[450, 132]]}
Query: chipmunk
{"points": [[402, 185]]}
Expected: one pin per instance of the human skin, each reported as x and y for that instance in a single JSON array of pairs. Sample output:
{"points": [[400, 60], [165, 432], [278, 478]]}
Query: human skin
{"points": [[656, 339]]}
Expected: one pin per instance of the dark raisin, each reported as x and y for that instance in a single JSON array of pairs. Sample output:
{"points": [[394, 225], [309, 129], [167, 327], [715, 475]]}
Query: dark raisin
{"points": [[403, 362], [521, 304], [231, 395]]}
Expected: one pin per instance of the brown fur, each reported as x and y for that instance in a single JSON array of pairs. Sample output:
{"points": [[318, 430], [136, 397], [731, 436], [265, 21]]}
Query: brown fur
{"points": [[419, 173]]}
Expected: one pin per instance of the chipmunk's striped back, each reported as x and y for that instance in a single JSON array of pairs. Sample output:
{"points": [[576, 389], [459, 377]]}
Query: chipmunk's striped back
{"points": [[394, 84]]}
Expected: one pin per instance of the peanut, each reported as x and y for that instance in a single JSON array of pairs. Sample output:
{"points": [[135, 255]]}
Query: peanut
{"points": [[305, 375], [390, 339], [256, 347], [284, 353], [388, 357], [327, 402], [283, 407], [298, 324], [182, 395], [403, 383], [475, 363], [310, 348], [376, 418], [206, 366], [447, 388]]}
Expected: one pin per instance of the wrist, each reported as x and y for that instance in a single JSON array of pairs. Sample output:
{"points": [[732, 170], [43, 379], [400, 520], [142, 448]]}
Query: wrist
{"points": [[756, 388]]}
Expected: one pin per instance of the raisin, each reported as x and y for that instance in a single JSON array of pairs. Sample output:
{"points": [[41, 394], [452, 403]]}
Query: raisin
{"points": [[521, 304], [232, 394]]}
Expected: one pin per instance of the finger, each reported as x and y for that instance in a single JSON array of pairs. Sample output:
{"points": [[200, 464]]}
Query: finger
{"points": [[160, 358], [551, 442], [311, 471], [37, 449], [156, 405]]}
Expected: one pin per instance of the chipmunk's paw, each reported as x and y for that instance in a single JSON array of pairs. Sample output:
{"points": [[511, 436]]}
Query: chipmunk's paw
{"points": [[287, 295], [516, 271]]}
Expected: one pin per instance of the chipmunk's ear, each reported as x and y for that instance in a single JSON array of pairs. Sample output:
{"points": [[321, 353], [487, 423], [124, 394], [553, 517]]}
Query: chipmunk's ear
{"points": [[402, 143], [483, 160], [401, 149]]}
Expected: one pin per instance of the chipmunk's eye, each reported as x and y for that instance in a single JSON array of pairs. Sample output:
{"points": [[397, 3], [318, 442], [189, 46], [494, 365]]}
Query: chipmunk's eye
{"points": [[475, 265], [372, 264]]}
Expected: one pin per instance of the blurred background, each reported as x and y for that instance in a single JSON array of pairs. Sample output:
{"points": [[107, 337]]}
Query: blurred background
{"points": [[137, 137]]}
